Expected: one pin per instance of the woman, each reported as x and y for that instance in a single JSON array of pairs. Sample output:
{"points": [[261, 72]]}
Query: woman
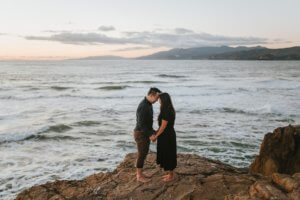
{"points": [[166, 137]]}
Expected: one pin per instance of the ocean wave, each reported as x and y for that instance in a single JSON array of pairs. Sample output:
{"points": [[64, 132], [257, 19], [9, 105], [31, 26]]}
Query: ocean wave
{"points": [[65, 96], [47, 137], [243, 145], [59, 128], [201, 125], [233, 110], [6, 97], [170, 76], [5, 89], [240, 89], [110, 111], [279, 83], [104, 82], [114, 87], [86, 123], [78, 96], [34, 133], [124, 82], [274, 81], [197, 86], [264, 110], [287, 120], [32, 89], [202, 111], [60, 88], [122, 144], [146, 82], [10, 97]]}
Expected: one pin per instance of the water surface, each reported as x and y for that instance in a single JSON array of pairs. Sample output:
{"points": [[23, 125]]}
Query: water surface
{"points": [[69, 119]]}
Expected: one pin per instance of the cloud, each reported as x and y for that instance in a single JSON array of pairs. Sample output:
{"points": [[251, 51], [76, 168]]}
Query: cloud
{"points": [[175, 38], [279, 40], [106, 28], [56, 31], [182, 30], [80, 38]]}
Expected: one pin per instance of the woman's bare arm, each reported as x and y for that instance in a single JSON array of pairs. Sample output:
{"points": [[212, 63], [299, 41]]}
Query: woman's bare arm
{"points": [[162, 127]]}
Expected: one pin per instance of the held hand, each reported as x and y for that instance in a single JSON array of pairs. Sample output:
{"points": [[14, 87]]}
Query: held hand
{"points": [[152, 138]]}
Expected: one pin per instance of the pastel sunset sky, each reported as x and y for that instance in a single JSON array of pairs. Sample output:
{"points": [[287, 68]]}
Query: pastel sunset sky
{"points": [[57, 29]]}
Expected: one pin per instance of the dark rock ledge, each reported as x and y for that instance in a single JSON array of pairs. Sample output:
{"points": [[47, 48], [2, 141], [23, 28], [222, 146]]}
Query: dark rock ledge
{"points": [[274, 174]]}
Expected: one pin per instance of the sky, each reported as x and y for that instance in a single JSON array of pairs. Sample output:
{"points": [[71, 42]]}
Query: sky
{"points": [[58, 29]]}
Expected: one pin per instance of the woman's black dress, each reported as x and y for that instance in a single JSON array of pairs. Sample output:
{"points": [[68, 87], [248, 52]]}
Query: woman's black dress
{"points": [[166, 142]]}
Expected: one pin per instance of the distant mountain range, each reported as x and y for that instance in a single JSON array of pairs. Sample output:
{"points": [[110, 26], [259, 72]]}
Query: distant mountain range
{"points": [[216, 53], [194, 53], [292, 53]]}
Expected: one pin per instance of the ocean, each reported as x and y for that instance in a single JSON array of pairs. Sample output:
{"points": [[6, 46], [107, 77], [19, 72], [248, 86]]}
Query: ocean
{"points": [[70, 119]]}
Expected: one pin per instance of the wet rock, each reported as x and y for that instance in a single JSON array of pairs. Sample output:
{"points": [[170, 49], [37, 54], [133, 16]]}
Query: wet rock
{"points": [[265, 190], [279, 152], [286, 182]]}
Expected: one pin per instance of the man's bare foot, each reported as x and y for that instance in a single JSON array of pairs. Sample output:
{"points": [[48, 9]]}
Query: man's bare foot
{"points": [[142, 179]]}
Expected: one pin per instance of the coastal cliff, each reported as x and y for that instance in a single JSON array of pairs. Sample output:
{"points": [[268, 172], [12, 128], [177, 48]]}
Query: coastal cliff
{"points": [[197, 177]]}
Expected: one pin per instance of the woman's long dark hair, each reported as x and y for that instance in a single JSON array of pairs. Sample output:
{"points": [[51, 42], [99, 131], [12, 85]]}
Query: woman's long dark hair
{"points": [[166, 104]]}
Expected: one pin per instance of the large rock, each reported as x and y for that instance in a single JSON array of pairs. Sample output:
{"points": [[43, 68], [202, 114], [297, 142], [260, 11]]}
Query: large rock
{"points": [[197, 178], [279, 152]]}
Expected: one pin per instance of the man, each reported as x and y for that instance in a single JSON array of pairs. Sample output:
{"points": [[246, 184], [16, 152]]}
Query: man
{"points": [[144, 130]]}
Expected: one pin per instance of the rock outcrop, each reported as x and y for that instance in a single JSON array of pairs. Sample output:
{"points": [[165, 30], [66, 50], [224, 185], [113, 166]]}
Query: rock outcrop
{"points": [[281, 186], [196, 178], [279, 152]]}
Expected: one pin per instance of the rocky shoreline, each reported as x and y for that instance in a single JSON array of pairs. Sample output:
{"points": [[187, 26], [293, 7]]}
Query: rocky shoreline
{"points": [[274, 174]]}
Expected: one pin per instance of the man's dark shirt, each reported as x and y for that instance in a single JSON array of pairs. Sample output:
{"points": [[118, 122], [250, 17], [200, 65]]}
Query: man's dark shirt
{"points": [[144, 117]]}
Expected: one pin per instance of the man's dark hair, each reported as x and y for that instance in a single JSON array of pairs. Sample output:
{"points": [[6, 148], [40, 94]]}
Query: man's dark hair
{"points": [[153, 91]]}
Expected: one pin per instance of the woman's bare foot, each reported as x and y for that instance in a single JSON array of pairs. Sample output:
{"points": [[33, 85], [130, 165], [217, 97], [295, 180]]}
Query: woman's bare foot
{"points": [[142, 179], [165, 175], [169, 177]]}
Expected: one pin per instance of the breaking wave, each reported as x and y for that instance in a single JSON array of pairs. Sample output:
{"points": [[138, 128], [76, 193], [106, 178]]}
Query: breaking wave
{"points": [[114, 87], [36, 134]]}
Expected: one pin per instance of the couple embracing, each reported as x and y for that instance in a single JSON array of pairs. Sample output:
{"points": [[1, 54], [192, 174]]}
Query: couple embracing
{"points": [[165, 136]]}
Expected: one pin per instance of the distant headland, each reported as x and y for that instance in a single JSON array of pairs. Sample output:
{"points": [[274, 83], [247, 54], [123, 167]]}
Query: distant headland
{"points": [[215, 53]]}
